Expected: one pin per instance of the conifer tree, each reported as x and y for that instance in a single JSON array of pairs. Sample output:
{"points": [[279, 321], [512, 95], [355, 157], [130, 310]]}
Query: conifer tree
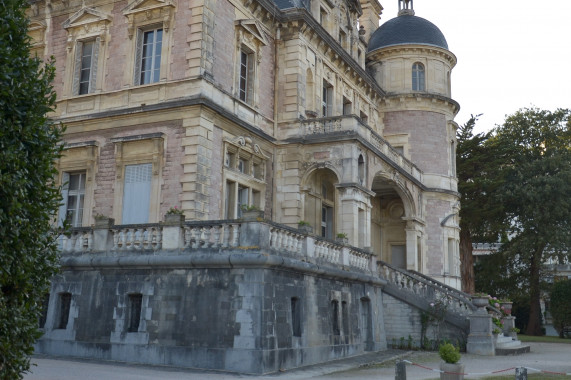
{"points": [[29, 145]]}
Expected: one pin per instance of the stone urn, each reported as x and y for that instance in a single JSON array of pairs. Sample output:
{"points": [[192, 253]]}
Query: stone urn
{"points": [[506, 306], [452, 371], [480, 302]]}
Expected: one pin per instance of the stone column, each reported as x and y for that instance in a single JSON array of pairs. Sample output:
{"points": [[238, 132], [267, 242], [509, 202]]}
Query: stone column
{"points": [[413, 232], [353, 198], [102, 236]]}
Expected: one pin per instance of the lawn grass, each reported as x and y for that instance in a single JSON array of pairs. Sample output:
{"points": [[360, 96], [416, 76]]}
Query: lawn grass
{"points": [[543, 339]]}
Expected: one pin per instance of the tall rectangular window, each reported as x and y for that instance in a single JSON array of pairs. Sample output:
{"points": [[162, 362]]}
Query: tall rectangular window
{"points": [[73, 193], [347, 106], [418, 77], [335, 317], [64, 306], [245, 85], [149, 56], [85, 66], [87, 59], [295, 317], [451, 269], [137, 193], [327, 99], [134, 312], [243, 198]]}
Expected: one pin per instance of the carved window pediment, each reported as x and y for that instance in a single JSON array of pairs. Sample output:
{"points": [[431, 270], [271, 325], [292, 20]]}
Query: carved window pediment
{"points": [[149, 11], [254, 28], [36, 31], [86, 17]]}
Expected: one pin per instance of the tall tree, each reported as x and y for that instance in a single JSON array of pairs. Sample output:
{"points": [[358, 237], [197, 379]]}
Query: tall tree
{"points": [[536, 149], [481, 215], [29, 145]]}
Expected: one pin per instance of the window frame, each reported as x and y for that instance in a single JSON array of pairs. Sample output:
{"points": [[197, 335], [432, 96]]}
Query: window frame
{"points": [[138, 80], [327, 99], [418, 77]]}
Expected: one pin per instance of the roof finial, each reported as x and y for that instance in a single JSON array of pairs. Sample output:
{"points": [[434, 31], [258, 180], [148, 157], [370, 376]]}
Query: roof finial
{"points": [[406, 7]]}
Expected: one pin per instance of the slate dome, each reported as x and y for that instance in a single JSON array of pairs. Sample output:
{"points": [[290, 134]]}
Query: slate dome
{"points": [[407, 29]]}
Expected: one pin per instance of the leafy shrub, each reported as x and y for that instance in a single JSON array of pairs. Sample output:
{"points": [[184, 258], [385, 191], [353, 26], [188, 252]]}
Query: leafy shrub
{"points": [[449, 353]]}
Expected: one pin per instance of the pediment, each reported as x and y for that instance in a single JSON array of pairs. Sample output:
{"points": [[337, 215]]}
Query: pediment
{"points": [[146, 5], [86, 16], [254, 28]]}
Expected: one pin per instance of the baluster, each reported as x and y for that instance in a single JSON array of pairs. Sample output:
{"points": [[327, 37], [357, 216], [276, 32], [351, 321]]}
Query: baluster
{"points": [[195, 237], [159, 238], [115, 239], [279, 239], [207, 236], [289, 246], [235, 234], [216, 236], [225, 235], [300, 239]]}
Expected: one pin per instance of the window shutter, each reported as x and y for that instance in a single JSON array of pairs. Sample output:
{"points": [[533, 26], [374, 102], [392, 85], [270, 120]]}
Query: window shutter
{"points": [[137, 193], [138, 58], [94, 62], [77, 67], [64, 193]]}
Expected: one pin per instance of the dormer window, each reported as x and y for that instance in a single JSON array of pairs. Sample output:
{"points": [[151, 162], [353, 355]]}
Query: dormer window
{"points": [[418, 77]]}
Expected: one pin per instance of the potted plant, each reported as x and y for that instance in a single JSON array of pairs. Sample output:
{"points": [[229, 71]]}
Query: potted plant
{"points": [[304, 227], [251, 212], [506, 307], [450, 367], [342, 238], [174, 216]]}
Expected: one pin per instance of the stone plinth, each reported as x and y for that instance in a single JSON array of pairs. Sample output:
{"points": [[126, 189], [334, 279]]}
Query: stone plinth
{"points": [[481, 340]]}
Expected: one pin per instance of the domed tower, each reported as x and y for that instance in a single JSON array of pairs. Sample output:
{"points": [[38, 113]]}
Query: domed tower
{"points": [[409, 58]]}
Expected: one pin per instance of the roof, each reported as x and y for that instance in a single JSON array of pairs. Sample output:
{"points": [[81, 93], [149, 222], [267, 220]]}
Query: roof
{"points": [[407, 29], [285, 4]]}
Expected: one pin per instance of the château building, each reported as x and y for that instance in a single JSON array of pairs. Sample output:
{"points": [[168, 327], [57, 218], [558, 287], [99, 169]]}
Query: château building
{"points": [[339, 131]]}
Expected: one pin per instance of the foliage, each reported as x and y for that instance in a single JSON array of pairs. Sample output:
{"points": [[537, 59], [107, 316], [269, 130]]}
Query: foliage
{"points": [[481, 216], [341, 235], [29, 145], [302, 223], [529, 179], [249, 208], [174, 211], [561, 306], [535, 145], [449, 353]]}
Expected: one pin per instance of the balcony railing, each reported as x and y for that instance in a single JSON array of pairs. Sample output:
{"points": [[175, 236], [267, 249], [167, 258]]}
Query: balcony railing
{"points": [[352, 124], [210, 236]]}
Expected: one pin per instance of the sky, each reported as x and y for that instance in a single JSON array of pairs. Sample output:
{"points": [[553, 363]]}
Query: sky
{"points": [[511, 54]]}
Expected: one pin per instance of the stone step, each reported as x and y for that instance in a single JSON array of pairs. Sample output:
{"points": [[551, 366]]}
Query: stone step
{"points": [[508, 343], [500, 351]]}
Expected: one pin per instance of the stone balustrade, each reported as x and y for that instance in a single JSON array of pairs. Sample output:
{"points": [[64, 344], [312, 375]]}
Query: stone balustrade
{"points": [[352, 124], [213, 235], [423, 286]]}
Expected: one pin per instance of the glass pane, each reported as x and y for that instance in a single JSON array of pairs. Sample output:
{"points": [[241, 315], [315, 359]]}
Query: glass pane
{"points": [[71, 202], [148, 37], [74, 182], [159, 36]]}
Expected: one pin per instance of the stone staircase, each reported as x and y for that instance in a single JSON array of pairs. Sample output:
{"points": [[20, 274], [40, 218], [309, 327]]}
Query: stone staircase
{"points": [[507, 345], [420, 290]]}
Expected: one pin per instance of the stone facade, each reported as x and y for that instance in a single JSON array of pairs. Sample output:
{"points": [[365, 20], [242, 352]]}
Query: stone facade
{"points": [[214, 105]]}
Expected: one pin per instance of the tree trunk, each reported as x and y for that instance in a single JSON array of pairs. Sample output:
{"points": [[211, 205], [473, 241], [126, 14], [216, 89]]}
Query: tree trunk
{"points": [[467, 261], [534, 322]]}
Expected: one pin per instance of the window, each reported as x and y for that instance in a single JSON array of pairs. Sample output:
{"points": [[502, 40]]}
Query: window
{"points": [[452, 159], [64, 306], [347, 106], [44, 311], [85, 67], [73, 193], [327, 99], [364, 117], [295, 317], [148, 61], [399, 150], [335, 317], [246, 75], [418, 77], [343, 38], [137, 193], [327, 222], [345, 317], [134, 312], [361, 167], [323, 17], [451, 258], [238, 195]]}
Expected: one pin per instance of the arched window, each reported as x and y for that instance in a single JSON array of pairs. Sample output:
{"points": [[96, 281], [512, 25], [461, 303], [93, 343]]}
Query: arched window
{"points": [[418, 77]]}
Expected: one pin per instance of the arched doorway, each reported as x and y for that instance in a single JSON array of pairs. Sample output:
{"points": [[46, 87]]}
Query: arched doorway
{"points": [[392, 242]]}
